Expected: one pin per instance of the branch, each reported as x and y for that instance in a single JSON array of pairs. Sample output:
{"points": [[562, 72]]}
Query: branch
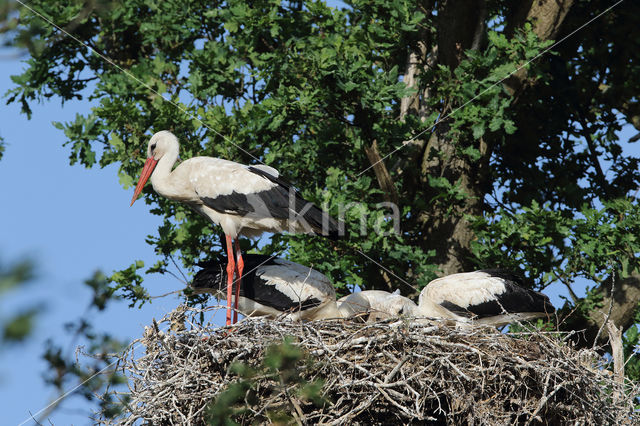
{"points": [[457, 29], [562, 279], [546, 18], [623, 300], [480, 34], [608, 315], [593, 154], [615, 339], [382, 174], [412, 103]]}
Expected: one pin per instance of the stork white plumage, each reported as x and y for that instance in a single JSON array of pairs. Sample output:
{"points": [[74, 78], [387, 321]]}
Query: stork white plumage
{"points": [[380, 304], [278, 288], [489, 297], [247, 200]]}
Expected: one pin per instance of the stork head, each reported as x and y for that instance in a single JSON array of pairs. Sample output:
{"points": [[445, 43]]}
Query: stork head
{"points": [[354, 305], [162, 143], [397, 305]]}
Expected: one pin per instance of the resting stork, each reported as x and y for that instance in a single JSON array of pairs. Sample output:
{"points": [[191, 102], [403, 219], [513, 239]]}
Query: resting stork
{"points": [[277, 287], [381, 304], [246, 200], [490, 297]]}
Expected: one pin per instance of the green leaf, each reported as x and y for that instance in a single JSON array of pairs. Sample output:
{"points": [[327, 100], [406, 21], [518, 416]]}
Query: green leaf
{"points": [[478, 130], [19, 326]]}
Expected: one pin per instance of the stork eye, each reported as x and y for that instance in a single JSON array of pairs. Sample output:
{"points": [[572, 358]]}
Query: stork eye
{"points": [[153, 147]]}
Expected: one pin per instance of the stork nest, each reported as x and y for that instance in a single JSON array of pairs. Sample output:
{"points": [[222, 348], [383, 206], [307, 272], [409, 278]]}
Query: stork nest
{"points": [[341, 372]]}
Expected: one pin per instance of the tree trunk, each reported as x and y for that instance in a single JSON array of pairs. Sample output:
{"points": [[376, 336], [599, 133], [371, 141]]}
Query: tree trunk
{"points": [[445, 222], [443, 225], [461, 26]]}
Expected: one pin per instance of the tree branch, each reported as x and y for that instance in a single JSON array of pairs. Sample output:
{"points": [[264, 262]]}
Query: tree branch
{"points": [[624, 301], [411, 103], [546, 17], [480, 34], [617, 351], [457, 28], [593, 155], [382, 174]]}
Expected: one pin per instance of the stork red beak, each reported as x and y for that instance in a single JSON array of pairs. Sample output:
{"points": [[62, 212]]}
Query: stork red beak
{"points": [[149, 165]]}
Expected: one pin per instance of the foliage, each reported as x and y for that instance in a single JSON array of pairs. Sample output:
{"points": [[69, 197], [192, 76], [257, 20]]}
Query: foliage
{"points": [[64, 369], [19, 325], [631, 342], [588, 242], [98, 376], [305, 88], [283, 365]]}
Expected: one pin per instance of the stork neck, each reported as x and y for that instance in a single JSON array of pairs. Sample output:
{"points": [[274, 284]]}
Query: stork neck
{"points": [[165, 165], [163, 170], [428, 308], [330, 310]]}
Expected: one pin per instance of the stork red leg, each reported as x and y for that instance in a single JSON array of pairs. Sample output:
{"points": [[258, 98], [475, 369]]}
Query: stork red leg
{"points": [[230, 269], [239, 269]]}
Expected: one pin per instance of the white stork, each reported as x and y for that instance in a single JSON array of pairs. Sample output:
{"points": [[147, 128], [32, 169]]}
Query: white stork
{"points": [[490, 297], [247, 200], [277, 287], [380, 304]]}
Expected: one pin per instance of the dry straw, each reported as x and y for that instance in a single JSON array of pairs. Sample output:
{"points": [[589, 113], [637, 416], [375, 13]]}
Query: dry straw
{"points": [[383, 373]]}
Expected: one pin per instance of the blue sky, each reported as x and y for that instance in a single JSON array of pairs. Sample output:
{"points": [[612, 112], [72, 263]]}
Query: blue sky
{"points": [[71, 221]]}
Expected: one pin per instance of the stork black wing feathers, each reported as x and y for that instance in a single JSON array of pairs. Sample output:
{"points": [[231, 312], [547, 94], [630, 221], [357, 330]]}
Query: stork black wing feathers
{"points": [[277, 204], [234, 203], [268, 295], [514, 299], [279, 197], [214, 276], [251, 261], [458, 310]]}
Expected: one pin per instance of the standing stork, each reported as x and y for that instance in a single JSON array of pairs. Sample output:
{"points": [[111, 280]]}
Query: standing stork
{"points": [[491, 297], [277, 287], [247, 200]]}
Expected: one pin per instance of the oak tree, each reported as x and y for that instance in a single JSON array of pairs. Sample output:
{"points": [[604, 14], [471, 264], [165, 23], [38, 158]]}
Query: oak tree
{"points": [[495, 127]]}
